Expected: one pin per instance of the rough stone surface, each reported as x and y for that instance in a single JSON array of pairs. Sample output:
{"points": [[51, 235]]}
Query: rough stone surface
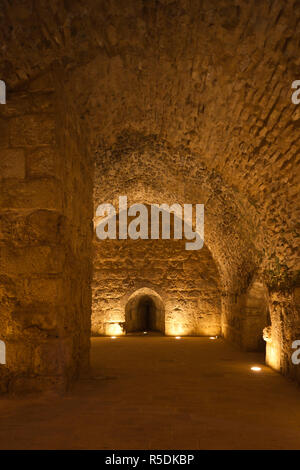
{"points": [[164, 101], [187, 282]]}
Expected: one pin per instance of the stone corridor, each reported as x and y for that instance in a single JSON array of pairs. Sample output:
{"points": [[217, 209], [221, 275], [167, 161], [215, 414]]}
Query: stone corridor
{"points": [[181, 103]]}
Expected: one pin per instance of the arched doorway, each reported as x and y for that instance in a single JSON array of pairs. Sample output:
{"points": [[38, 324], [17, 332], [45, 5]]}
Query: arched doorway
{"points": [[144, 311]]}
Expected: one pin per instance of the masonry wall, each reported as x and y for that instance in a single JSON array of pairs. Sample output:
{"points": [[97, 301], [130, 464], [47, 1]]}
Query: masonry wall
{"points": [[43, 247], [245, 315], [187, 282], [284, 330], [200, 111]]}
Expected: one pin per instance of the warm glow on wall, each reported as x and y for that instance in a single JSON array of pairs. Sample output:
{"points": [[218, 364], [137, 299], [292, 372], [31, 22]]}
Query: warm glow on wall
{"points": [[267, 334], [114, 329], [273, 352], [176, 329]]}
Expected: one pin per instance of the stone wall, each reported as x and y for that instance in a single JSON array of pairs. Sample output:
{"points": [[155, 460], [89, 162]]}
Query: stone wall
{"points": [[186, 281], [144, 311], [43, 243], [245, 315], [284, 330], [178, 101]]}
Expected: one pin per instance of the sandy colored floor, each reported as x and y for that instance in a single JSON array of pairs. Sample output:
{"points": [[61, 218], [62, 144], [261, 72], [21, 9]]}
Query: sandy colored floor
{"points": [[161, 393]]}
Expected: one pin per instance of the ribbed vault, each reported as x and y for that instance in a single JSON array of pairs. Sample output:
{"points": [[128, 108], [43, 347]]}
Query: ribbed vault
{"points": [[163, 101]]}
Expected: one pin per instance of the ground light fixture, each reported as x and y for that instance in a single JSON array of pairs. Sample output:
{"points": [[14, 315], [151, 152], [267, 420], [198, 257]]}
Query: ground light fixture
{"points": [[177, 337], [113, 337], [256, 368]]}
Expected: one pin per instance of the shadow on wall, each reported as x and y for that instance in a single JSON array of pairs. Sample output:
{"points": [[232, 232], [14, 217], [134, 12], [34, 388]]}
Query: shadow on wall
{"points": [[144, 311]]}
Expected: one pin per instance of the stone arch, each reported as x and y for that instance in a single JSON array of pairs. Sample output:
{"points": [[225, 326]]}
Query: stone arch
{"points": [[220, 242], [190, 280], [164, 110], [171, 216], [145, 310], [222, 209]]}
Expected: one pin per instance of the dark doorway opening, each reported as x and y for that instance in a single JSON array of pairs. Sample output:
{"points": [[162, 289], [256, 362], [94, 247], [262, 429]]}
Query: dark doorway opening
{"points": [[143, 314], [146, 314]]}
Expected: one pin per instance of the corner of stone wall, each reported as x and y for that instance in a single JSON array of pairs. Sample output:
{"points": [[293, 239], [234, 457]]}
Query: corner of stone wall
{"points": [[43, 270]]}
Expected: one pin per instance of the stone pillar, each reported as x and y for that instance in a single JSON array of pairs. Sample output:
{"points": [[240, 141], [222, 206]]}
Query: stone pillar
{"points": [[231, 319], [254, 316], [244, 317], [44, 280], [285, 329]]}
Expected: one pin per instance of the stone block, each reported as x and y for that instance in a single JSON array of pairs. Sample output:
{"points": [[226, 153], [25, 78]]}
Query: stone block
{"points": [[32, 260], [32, 130], [45, 193], [12, 163], [41, 162]]}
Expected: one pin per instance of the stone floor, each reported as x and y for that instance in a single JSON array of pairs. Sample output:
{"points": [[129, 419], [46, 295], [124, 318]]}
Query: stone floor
{"points": [[161, 393]]}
